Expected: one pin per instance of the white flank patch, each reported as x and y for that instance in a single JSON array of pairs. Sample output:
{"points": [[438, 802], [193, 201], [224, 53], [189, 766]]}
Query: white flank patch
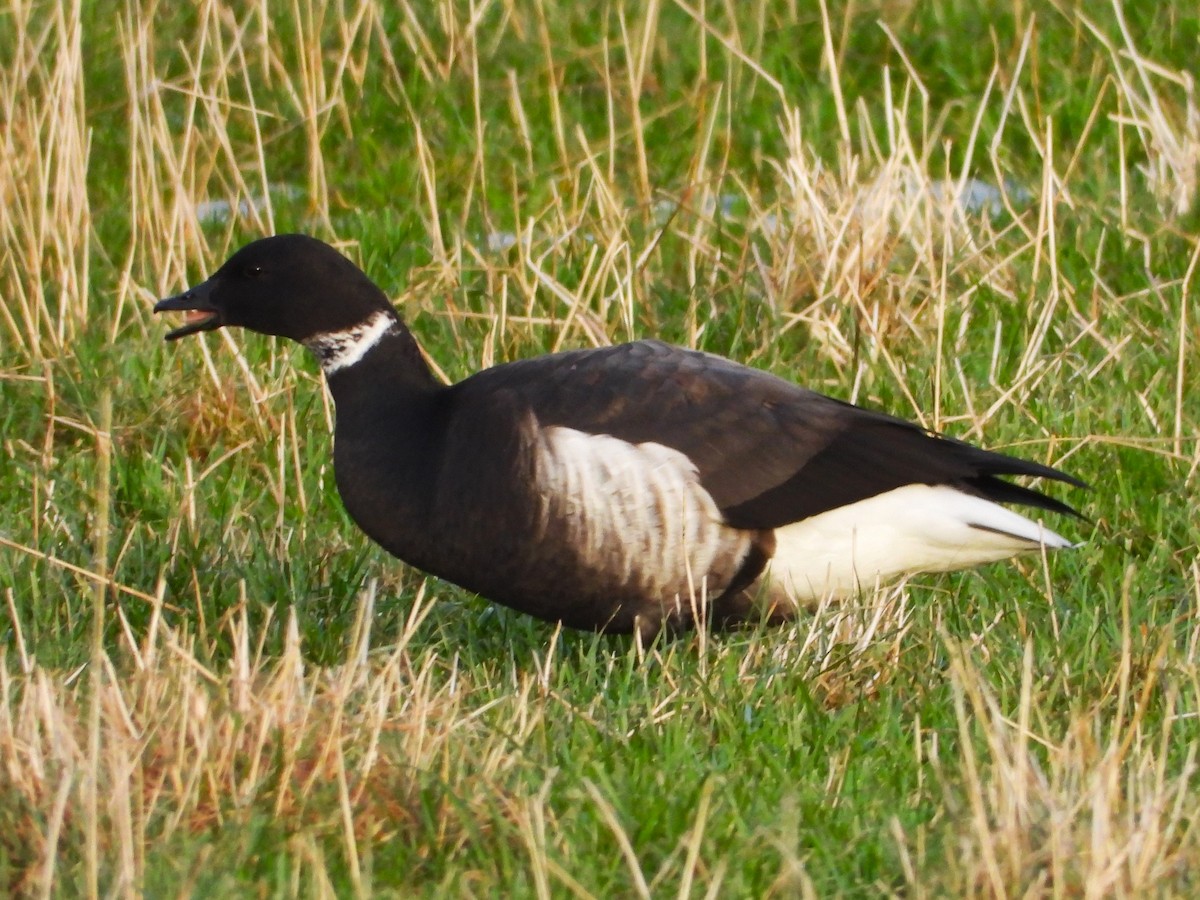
{"points": [[338, 349], [636, 514], [915, 528]]}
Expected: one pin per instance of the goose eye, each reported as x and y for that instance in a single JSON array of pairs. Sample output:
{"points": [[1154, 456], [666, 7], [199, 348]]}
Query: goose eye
{"points": [[253, 270]]}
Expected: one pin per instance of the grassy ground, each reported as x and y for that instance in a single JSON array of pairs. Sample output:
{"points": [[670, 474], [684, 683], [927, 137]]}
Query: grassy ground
{"points": [[211, 683]]}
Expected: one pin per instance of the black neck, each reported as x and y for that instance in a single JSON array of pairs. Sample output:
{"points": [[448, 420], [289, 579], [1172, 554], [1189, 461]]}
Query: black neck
{"points": [[388, 434]]}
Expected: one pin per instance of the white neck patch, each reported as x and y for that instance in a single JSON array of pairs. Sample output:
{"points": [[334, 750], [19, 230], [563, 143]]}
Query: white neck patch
{"points": [[337, 350]]}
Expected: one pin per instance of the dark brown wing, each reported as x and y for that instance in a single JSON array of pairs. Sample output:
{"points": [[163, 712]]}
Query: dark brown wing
{"points": [[768, 451]]}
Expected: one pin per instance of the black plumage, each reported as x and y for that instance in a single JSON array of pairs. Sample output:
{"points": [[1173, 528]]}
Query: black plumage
{"points": [[550, 484]]}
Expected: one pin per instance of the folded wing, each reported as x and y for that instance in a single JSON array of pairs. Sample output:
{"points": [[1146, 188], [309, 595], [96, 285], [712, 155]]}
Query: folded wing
{"points": [[769, 452]]}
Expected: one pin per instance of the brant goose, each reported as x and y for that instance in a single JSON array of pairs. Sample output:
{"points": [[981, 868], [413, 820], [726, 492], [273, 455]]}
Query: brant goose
{"points": [[632, 488]]}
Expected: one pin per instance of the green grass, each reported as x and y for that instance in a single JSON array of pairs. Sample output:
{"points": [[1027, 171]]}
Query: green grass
{"points": [[273, 705]]}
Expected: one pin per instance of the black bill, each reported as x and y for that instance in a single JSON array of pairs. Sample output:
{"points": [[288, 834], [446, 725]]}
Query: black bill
{"points": [[201, 314]]}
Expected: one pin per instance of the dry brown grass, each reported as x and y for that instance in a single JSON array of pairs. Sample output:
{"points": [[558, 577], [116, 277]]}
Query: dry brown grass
{"points": [[183, 748], [156, 747], [1099, 802]]}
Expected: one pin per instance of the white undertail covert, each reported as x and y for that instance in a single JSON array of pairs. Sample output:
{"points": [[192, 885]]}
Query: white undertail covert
{"points": [[915, 528]]}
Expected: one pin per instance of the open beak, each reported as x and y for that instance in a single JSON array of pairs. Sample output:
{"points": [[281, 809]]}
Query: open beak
{"points": [[202, 315]]}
